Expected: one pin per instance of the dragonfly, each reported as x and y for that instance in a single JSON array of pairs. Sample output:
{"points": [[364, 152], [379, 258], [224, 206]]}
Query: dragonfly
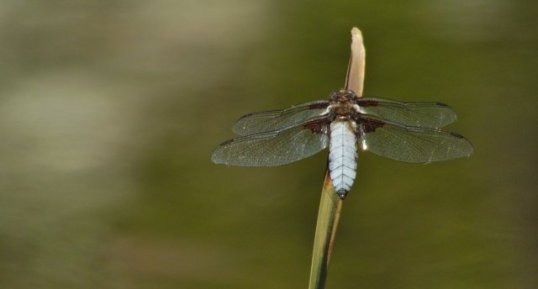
{"points": [[403, 131]]}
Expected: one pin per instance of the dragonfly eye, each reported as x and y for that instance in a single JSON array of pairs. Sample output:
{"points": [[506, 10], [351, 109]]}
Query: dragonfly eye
{"points": [[334, 96], [350, 94]]}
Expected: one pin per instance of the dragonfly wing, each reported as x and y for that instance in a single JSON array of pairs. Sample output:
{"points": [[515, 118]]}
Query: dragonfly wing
{"points": [[274, 148], [411, 144], [420, 114], [273, 120]]}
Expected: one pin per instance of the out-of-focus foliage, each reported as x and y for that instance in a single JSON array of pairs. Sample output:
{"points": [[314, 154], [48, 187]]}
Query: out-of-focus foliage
{"points": [[109, 111]]}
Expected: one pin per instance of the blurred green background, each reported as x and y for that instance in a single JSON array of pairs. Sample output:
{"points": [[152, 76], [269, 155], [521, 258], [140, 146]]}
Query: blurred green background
{"points": [[110, 110]]}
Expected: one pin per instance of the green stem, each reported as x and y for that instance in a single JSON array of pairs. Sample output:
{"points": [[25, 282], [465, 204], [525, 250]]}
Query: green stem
{"points": [[331, 205], [328, 217]]}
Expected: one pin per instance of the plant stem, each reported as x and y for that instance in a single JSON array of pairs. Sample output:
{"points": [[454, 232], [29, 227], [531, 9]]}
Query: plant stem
{"points": [[328, 216], [331, 205]]}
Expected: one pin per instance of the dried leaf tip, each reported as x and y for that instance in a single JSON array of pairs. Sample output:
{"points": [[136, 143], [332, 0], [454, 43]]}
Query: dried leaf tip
{"points": [[355, 69], [356, 35]]}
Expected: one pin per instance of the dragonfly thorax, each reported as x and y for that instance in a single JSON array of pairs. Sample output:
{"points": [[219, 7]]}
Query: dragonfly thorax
{"points": [[343, 104]]}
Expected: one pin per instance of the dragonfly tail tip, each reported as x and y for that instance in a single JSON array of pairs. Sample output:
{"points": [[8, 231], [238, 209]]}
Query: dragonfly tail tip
{"points": [[342, 193]]}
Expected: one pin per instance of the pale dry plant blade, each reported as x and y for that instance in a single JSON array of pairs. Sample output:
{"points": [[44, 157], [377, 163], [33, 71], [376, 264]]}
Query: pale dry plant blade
{"points": [[331, 205]]}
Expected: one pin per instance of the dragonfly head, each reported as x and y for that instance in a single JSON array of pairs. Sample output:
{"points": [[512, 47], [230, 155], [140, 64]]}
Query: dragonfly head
{"points": [[343, 95], [342, 103]]}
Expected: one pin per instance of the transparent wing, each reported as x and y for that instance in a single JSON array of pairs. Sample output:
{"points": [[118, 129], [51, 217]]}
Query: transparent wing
{"points": [[265, 121], [273, 148], [421, 114], [411, 144]]}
